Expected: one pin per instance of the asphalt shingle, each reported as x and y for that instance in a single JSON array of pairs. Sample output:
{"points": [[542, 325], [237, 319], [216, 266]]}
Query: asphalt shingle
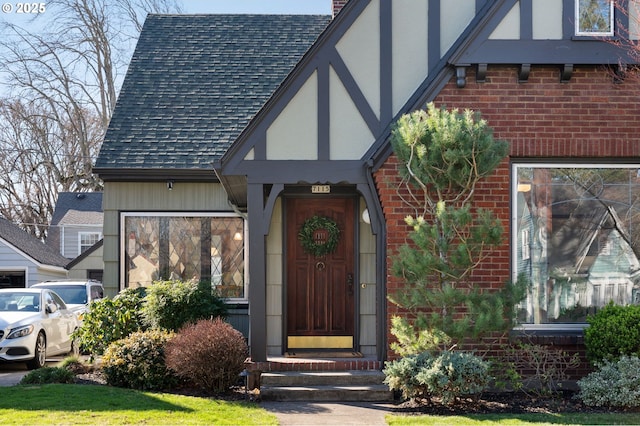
{"points": [[30, 245], [195, 82]]}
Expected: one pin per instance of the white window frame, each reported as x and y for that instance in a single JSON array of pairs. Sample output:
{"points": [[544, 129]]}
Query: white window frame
{"points": [[123, 242], [590, 33], [85, 234]]}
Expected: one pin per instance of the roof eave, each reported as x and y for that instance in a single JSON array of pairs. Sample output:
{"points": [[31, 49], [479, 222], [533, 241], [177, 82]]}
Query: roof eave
{"points": [[156, 175]]}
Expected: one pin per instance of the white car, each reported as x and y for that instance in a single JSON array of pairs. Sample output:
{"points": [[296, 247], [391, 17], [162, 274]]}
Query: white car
{"points": [[34, 324], [77, 294]]}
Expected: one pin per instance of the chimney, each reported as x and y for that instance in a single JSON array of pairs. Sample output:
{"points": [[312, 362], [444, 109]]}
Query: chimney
{"points": [[337, 6]]}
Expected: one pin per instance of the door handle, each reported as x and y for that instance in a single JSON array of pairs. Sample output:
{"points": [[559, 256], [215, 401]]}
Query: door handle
{"points": [[350, 284]]}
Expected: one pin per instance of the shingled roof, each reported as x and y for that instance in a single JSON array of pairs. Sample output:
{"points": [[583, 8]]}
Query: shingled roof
{"points": [[30, 245], [74, 208], [194, 83]]}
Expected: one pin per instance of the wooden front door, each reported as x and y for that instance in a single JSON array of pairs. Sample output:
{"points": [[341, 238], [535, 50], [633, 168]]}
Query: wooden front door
{"points": [[320, 289]]}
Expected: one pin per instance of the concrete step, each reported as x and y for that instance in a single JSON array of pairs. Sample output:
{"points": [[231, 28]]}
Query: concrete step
{"points": [[325, 386], [371, 393], [338, 378]]}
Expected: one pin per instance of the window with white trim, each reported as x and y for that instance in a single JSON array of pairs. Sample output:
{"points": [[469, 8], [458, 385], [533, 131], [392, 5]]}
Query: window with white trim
{"points": [[190, 246], [582, 223], [594, 17], [87, 240]]}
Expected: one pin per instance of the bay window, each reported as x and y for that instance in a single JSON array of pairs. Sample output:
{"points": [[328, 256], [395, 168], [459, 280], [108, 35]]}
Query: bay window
{"points": [[185, 246], [576, 237]]}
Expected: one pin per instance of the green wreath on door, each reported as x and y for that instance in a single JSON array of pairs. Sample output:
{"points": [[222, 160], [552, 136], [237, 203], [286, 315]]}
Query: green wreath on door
{"points": [[309, 244]]}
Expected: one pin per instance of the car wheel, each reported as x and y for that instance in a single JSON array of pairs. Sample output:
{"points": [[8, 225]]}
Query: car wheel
{"points": [[40, 352]]}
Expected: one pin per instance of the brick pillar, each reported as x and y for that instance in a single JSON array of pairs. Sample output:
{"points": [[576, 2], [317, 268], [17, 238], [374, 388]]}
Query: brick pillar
{"points": [[337, 5]]}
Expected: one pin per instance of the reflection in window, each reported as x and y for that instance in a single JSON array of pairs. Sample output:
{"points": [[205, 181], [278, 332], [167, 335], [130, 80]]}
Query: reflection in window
{"points": [[199, 247], [594, 17], [582, 228]]}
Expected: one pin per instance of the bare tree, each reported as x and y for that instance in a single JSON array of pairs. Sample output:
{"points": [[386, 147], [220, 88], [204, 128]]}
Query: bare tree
{"points": [[58, 88], [628, 35]]}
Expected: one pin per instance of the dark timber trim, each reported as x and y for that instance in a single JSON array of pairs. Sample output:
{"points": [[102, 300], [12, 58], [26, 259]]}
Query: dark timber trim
{"points": [[526, 21], [257, 268], [433, 28], [324, 107], [358, 98], [386, 66]]}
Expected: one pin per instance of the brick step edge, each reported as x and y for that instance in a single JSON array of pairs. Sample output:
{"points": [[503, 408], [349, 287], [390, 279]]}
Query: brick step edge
{"points": [[334, 378]]}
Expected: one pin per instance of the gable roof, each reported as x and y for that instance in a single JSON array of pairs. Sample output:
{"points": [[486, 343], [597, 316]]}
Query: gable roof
{"points": [[74, 208], [88, 252], [29, 245], [78, 208], [193, 84]]}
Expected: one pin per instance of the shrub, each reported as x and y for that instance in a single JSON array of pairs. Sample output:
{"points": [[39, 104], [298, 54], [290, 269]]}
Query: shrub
{"points": [[172, 304], [75, 365], [546, 365], [614, 384], [412, 340], [109, 320], [448, 376], [47, 375], [209, 353], [613, 331], [138, 362], [401, 374]]}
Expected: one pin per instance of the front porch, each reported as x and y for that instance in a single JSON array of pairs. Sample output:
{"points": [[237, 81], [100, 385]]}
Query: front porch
{"points": [[318, 379]]}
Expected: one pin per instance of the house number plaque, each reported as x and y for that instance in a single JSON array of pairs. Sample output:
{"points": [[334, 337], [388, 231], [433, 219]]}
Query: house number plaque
{"points": [[320, 189]]}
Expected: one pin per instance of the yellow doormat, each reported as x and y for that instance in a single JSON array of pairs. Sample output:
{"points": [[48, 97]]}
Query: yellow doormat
{"points": [[322, 354]]}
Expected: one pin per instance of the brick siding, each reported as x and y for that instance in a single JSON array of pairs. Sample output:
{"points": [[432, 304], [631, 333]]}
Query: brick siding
{"points": [[588, 117], [337, 6]]}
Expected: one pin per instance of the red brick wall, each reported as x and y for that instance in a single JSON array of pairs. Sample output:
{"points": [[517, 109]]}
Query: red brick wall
{"points": [[589, 116], [337, 6]]}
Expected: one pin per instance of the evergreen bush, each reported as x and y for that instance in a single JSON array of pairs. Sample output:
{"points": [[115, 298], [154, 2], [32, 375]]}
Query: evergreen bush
{"points": [[400, 375], [172, 304], [109, 320], [47, 375], [209, 354], [138, 362], [448, 376], [613, 384], [613, 331], [443, 155]]}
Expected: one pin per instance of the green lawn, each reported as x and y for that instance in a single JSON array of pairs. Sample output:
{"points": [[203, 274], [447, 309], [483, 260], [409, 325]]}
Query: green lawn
{"points": [[105, 405], [518, 419]]}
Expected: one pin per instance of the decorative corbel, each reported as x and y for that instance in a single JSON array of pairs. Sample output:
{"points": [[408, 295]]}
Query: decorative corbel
{"points": [[566, 73], [461, 76], [523, 75], [481, 73]]}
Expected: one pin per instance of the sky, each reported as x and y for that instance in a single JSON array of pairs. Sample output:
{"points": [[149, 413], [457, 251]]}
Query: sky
{"points": [[317, 7], [294, 7]]}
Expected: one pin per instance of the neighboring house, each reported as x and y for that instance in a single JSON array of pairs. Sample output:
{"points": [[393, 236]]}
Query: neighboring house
{"points": [[25, 260], [76, 224], [89, 265], [232, 131]]}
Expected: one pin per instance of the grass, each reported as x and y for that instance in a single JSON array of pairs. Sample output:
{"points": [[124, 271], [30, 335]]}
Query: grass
{"points": [[518, 419], [105, 405]]}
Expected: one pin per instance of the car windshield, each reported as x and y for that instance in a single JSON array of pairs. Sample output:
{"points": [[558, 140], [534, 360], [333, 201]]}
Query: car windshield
{"points": [[14, 302], [71, 294]]}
